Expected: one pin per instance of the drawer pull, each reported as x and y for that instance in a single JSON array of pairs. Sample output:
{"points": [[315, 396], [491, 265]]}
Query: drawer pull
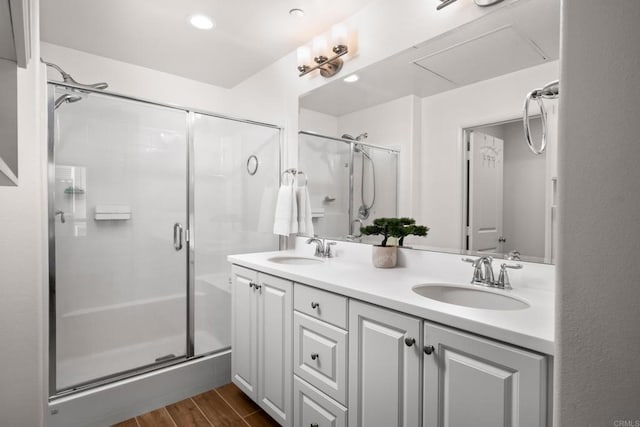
{"points": [[428, 349], [315, 305], [314, 356], [314, 424], [409, 341]]}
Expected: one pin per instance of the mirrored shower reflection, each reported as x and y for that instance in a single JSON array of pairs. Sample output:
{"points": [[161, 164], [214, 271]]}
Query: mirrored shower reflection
{"points": [[350, 184], [129, 292]]}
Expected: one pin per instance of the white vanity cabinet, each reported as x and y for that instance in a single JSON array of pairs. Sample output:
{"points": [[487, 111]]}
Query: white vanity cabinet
{"points": [[261, 340], [469, 380], [385, 353]]}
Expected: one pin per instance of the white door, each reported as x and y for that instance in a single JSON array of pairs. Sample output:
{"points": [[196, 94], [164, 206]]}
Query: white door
{"points": [[384, 367], [275, 348], [471, 381], [244, 331], [486, 164]]}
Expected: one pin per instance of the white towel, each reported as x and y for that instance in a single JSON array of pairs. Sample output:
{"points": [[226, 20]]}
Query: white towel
{"points": [[305, 223], [286, 221]]}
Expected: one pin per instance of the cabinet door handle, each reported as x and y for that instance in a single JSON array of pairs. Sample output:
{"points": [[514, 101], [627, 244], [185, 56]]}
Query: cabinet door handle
{"points": [[314, 424], [314, 356], [409, 341], [428, 349], [258, 287], [315, 304], [251, 284]]}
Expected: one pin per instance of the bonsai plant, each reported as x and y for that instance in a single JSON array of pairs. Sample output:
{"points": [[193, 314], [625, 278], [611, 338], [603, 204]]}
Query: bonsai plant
{"points": [[384, 255], [409, 228]]}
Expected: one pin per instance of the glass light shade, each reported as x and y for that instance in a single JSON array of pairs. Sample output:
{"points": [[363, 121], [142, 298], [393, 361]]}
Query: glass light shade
{"points": [[320, 47], [339, 34], [304, 55]]}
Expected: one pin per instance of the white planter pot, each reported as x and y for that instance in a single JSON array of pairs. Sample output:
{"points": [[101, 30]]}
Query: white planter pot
{"points": [[384, 256]]}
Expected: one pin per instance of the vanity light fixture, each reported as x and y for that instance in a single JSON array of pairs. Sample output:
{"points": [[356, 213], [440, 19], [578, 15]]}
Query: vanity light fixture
{"points": [[329, 66], [201, 22], [352, 78]]}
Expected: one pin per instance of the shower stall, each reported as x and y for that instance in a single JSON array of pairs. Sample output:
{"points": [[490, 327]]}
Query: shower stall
{"points": [[145, 203], [351, 182]]}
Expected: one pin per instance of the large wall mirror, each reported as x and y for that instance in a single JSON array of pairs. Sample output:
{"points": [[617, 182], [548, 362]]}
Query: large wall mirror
{"points": [[436, 130]]}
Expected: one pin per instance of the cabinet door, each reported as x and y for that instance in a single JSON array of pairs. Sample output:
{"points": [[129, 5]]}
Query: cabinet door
{"points": [[470, 380], [275, 347], [384, 372], [244, 331]]}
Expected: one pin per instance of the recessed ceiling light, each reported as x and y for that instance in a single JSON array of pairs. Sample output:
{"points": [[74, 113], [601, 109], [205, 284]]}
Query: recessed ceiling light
{"points": [[352, 78], [201, 22], [298, 13]]}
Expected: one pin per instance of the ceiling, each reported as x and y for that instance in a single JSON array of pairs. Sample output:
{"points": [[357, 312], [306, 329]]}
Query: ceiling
{"points": [[501, 42], [249, 34]]}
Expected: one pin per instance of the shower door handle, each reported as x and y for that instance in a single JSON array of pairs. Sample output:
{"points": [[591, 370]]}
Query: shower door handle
{"points": [[177, 236]]}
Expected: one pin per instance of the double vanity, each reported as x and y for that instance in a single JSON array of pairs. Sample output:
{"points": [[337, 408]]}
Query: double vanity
{"points": [[335, 342]]}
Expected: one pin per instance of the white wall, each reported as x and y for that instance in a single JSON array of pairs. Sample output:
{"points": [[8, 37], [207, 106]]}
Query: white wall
{"points": [[598, 293], [22, 264], [321, 123], [444, 116]]}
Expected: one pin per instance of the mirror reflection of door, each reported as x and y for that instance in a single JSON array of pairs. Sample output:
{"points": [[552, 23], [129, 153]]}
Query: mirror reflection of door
{"points": [[508, 206], [486, 162]]}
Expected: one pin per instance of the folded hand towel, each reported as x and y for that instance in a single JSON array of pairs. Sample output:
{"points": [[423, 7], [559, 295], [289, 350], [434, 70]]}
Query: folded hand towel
{"points": [[285, 221], [305, 223]]}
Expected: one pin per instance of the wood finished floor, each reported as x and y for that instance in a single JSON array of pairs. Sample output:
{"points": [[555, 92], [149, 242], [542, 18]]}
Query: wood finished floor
{"points": [[222, 407]]}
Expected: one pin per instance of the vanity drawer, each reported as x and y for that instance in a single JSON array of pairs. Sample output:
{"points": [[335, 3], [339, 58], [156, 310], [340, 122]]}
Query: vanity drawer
{"points": [[312, 408], [321, 304], [320, 355]]}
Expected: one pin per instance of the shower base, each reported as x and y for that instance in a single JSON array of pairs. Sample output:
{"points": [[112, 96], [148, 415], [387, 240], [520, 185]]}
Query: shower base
{"points": [[112, 403]]}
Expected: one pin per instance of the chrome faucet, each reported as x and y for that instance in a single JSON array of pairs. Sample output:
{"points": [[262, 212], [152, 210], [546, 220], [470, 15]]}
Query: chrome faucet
{"points": [[483, 272], [323, 248]]}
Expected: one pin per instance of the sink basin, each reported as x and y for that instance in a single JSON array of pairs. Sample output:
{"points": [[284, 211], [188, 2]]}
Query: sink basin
{"points": [[469, 297], [294, 260]]}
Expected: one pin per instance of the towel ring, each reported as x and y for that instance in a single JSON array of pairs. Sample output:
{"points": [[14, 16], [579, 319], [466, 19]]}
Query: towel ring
{"points": [[550, 91], [537, 95]]}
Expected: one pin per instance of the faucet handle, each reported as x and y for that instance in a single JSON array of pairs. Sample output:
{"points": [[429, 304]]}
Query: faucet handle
{"points": [[471, 260], [503, 278], [327, 249]]}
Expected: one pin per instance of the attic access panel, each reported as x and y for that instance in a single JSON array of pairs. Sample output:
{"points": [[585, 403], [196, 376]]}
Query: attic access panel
{"points": [[489, 55]]}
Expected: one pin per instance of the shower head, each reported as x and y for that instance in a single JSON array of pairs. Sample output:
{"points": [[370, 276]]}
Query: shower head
{"points": [[356, 138], [66, 77], [66, 98]]}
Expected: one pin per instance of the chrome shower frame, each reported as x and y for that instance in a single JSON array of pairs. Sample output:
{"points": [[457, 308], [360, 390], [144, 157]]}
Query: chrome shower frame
{"points": [[55, 394]]}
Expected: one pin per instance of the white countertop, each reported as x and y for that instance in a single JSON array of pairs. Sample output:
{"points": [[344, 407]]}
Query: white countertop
{"points": [[355, 277]]}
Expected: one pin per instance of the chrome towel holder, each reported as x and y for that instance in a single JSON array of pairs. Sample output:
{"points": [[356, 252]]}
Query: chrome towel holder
{"points": [[293, 172], [550, 91]]}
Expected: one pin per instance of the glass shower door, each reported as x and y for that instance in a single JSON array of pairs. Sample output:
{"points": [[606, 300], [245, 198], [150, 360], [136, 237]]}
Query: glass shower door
{"points": [[236, 177], [120, 213]]}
